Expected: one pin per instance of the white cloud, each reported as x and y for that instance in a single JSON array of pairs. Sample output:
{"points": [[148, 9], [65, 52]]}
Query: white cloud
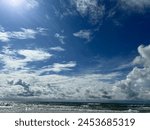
{"points": [[145, 54], [12, 60], [137, 83], [90, 8], [10, 63], [24, 34], [31, 4], [65, 10], [60, 38], [84, 34], [18, 84], [57, 48], [6, 36], [34, 55], [83, 87], [138, 5], [57, 67]]}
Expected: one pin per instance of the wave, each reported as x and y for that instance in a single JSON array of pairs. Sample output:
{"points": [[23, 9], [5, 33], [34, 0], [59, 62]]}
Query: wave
{"points": [[32, 107]]}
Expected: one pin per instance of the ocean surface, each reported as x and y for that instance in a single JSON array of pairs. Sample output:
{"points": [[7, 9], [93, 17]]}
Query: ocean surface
{"points": [[69, 107]]}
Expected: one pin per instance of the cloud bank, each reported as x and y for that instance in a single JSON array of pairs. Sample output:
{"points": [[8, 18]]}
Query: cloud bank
{"points": [[57, 87], [26, 83]]}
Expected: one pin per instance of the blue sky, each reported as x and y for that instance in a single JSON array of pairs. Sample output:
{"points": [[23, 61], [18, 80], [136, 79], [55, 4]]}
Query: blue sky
{"points": [[75, 49]]}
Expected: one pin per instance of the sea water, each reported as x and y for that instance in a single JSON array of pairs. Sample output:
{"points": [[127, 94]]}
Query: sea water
{"points": [[69, 107]]}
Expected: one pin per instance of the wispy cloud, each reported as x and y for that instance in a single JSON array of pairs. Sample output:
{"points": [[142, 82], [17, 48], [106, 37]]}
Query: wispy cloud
{"points": [[31, 4], [60, 38], [65, 10], [58, 67], [123, 66], [2, 29], [21, 4], [84, 34], [57, 48], [6, 36], [19, 59], [92, 8], [137, 5]]}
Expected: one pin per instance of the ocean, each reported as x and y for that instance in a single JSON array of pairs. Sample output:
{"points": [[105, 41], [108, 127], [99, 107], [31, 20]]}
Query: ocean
{"points": [[72, 107]]}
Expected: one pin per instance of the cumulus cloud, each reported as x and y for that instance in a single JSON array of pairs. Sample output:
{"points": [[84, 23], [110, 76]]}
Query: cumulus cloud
{"points": [[90, 8], [60, 38], [137, 83], [84, 34], [138, 5], [57, 48], [6, 36]]}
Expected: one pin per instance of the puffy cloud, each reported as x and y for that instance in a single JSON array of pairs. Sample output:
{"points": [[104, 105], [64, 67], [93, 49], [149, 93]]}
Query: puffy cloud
{"points": [[6, 36], [145, 54], [137, 83], [57, 48], [90, 8], [60, 38], [84, 34]]}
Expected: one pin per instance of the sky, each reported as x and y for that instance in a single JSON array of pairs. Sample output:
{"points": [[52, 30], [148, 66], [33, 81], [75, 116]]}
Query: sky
{"points": [[77, 50]]}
